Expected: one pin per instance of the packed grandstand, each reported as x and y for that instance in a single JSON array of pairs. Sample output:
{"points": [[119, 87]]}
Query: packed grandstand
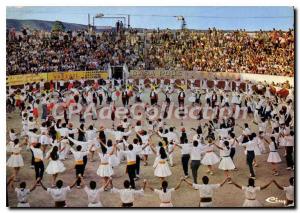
{"points": [[35, 51]]}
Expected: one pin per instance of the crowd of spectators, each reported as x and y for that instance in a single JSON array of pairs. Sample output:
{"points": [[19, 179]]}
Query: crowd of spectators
{"points": [[33, 51]]}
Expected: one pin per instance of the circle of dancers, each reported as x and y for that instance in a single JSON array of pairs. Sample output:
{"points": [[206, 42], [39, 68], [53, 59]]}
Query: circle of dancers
{"points": [[213, 143]]}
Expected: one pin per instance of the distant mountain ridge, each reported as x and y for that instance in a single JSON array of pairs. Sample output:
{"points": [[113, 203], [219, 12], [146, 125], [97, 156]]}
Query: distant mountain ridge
{"points": [[43, 25]]}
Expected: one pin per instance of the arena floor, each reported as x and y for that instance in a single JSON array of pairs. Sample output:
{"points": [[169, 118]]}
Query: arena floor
{"points": [[227, 196]]}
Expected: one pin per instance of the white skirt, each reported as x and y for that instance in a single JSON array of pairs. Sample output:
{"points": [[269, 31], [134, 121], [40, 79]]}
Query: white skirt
{"points": [[226, 164], [257, 150], [15, 161], [162, 170], [210, 158], [252, 203], [95, 204], [23, 205], [147, 151], [54, 167], [274, 157], [105, 171], [114, 161], [166, 205]]}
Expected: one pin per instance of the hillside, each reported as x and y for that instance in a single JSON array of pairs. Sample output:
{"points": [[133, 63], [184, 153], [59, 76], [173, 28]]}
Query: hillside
{"points": [[40, 25]]}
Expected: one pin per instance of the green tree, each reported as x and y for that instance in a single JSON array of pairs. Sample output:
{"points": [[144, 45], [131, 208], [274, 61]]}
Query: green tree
{"points": [[58, 26]]}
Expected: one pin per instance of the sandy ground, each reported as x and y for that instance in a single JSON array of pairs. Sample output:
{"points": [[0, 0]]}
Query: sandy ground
{"points": [[227, 196]]}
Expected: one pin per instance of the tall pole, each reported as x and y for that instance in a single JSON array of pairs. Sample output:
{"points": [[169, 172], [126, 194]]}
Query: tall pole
{"points": [[128, 20]]}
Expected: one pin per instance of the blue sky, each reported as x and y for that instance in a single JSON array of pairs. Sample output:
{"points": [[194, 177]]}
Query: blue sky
{"points": [[227, 18]]}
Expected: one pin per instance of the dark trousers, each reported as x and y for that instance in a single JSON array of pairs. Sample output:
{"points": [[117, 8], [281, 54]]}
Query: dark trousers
{"points": [[137, 168], [289, 156], [39, 169], [180, 101], [84, 163], [125, 100], [153, 101], [131, 169], [195, 164], [185, 164], [127, 205], [250, 158], [100, 100], [232, 152], [32, 158], [44, 111], [79, 169]]}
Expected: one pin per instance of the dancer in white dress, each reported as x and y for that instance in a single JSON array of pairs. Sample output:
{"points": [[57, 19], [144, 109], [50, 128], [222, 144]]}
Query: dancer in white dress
{"points": [[257, 151], [210, 157], [250, 192], [114, 160], [226, 163], [105, 169], [15, 160], [161, 168], [165, 194], [273, 157], [55, 166], [145, 138]]}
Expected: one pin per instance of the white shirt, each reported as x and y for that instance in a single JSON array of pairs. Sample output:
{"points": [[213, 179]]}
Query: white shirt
{"points": [[130, 155], [91, 134], [206, 190], [164, 197], [22, 195], [118, 134], [127, 195], [78, 155], [32, 137], [250, 145], [289, 140], [44, 129], [12, 136], [104, 158], [31, 124], [186, 148], [197, 151], [171, 136], [137, 148], [289, 192], [85, 145], [250, 192], [37, 153], [64, 131], [93, 194], [44, 139], [59, 194]]}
